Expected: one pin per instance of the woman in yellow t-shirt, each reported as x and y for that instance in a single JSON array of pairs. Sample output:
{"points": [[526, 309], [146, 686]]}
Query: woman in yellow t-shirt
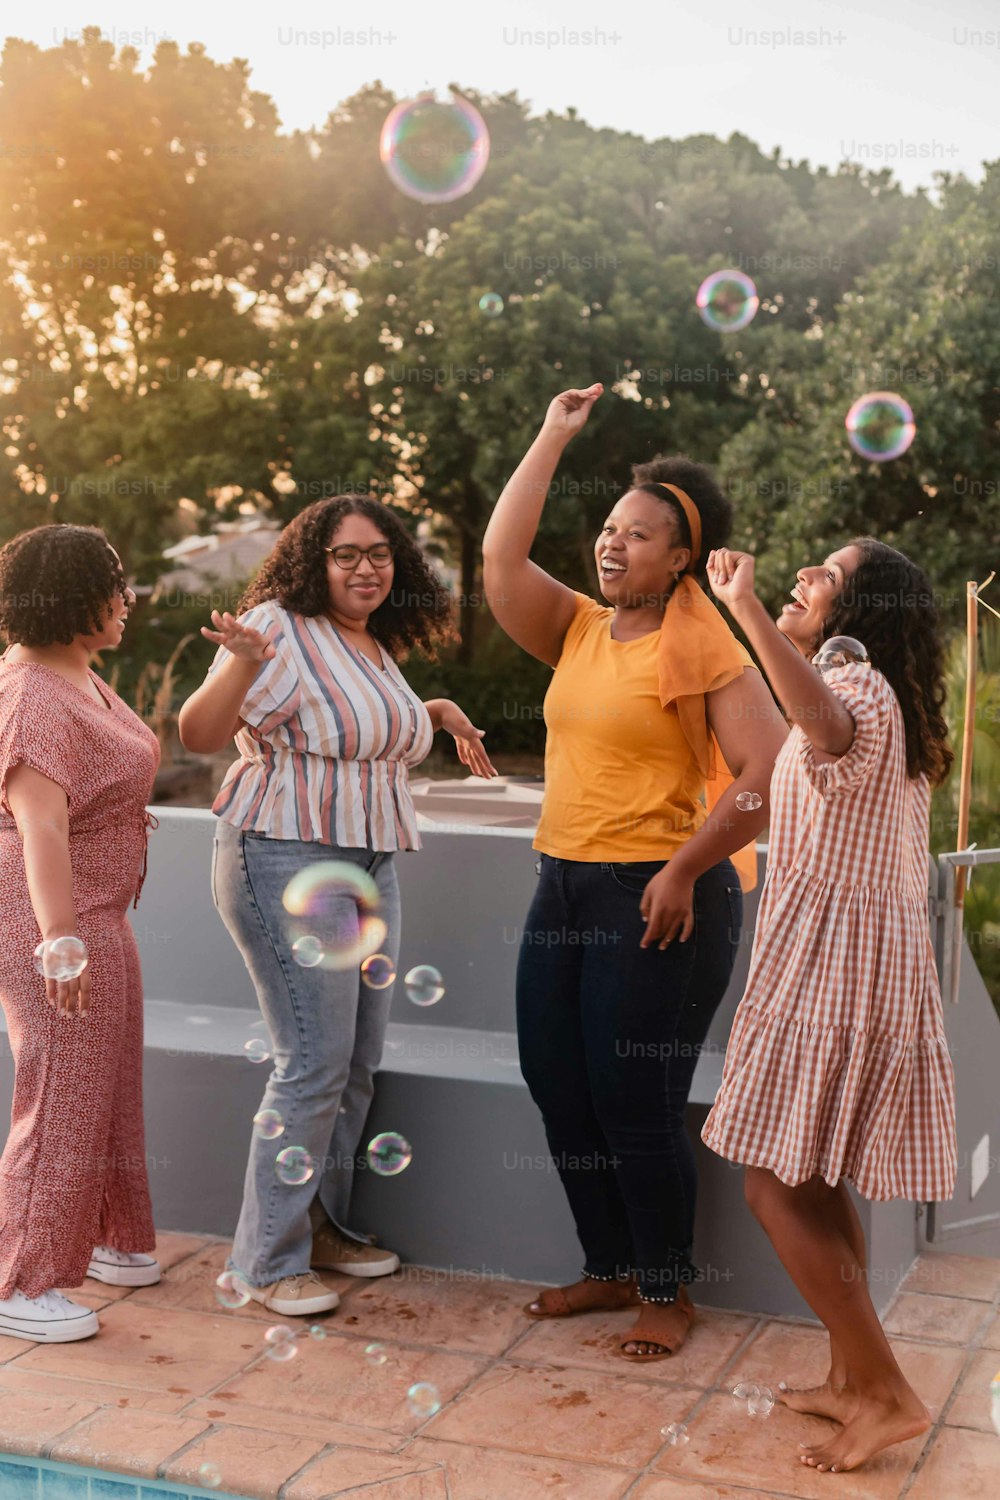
{"points": [[631, 938]]}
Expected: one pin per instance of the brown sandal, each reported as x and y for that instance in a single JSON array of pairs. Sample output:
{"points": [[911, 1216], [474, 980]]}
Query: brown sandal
{"points": [[683, 1316], [586, 1295]]}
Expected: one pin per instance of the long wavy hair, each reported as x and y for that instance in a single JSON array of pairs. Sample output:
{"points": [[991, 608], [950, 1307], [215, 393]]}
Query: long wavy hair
{"points": [[888, 604], [416, 613]]}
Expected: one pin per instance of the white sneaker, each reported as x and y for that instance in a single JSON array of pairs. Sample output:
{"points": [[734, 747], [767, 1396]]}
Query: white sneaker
{"points": [[295, 1296], [119, 1268], [48, 1319]]}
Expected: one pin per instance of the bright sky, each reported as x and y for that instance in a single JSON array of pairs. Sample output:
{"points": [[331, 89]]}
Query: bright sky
{"points": [[906, 83]]}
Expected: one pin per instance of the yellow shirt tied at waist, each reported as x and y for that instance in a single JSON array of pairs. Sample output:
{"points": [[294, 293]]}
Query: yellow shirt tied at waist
{"points": [[630, 759]]}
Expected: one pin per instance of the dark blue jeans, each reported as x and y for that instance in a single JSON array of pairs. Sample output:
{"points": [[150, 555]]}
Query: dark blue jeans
{"points": [[609, 1037]]}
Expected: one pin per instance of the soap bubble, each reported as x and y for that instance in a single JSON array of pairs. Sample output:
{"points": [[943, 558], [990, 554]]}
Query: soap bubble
{"points": [[424, 985], [317, 1332], [375, 1354], [210, 1475], [434, 152], [727, 301], [256, 1050], [61, 958], [742, 1392], [335, 905], [268, 1124], [389, 1154], [749, 801], [880, 426], [840, 651], [280, 1341], [231, 1290], [307, 951], [491, 304], [378, 971], [762, 1403], [423, 1399], [676, 1434], [294, 1166]]}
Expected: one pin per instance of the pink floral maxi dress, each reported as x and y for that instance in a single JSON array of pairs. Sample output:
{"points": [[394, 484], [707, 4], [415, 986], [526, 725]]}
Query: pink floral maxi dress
{"points": [[73, 1171], [837, 1063]]}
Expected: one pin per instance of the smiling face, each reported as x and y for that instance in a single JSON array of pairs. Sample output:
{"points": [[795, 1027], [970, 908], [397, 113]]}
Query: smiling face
{"points": [[638, 552], [356, 592], [113, 616], [815, 593]]}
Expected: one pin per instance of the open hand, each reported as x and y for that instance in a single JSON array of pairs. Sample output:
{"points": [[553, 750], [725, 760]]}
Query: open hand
{"points": [[467, 740], [241, 640], [731, 575], [69, 996], [568, 412]]}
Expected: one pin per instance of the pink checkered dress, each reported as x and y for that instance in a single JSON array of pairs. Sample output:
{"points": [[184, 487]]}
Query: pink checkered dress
{"points": [[838, 1064]]}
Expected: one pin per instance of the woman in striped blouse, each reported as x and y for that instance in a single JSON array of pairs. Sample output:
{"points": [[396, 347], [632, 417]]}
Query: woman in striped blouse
{"points": [[327, 729]]}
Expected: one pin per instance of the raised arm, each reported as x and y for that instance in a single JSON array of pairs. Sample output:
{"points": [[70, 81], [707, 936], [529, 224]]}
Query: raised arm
{"points": [[799, 688], [534, 608], [41, 813], [211, 716]]}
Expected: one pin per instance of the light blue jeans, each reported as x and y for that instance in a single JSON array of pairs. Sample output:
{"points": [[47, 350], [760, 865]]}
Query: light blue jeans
{"points": [[327, 1030]]}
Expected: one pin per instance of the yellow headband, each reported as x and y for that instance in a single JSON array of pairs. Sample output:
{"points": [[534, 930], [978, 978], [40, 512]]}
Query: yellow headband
{"points": [[690, 510]]}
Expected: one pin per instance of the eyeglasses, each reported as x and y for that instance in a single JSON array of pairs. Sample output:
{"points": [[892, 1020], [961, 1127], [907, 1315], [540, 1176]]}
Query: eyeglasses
{"points": [[380, 556]]}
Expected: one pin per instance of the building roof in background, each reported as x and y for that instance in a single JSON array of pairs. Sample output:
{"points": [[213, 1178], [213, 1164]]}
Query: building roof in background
{"points": [[227, 557]]}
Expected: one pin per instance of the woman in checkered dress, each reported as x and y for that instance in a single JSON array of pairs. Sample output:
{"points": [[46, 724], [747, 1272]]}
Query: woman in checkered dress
{"points": [[837, 1069]]}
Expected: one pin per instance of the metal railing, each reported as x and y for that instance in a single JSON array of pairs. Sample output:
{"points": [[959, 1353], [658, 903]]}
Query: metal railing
{"points": [[948, 932]]}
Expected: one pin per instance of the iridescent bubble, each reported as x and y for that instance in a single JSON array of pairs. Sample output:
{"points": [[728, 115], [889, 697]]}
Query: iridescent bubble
{"points": [[742, 1392], [676, 1434], [840, 651], [375, 1354], [268, 1124], [424, 985], [280, 1343], [61, 958], [378, 971], [491, 304], [434, 152], [307, 951], [256, 1050], [210, 1475], [389, 1154], [336, 905], [727, 301], [423, 1399], [231, 1290], [294, 1166], [749, 801], [762, 1403], [317, 1332], [880, 426]]}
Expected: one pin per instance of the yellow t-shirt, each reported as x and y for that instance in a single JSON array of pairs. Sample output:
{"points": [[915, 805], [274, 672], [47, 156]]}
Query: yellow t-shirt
{"points": [[620, 780]]}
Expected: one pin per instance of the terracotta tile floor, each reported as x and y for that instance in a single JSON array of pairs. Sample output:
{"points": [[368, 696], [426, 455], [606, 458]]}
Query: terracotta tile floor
{"points": [[174, 1382]]}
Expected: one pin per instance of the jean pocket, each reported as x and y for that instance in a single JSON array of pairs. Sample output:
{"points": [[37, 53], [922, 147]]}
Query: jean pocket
{"points": [[734, 895], [634, 877]]}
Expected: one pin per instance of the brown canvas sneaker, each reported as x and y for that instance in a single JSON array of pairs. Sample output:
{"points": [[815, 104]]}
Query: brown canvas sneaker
{"points": [[333, 1251], [299, 1296]]}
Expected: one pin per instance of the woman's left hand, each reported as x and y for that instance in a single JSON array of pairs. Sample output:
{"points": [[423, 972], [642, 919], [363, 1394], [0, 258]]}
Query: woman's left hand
{"points": [[668, 906], [731, 575], [467, 740]]}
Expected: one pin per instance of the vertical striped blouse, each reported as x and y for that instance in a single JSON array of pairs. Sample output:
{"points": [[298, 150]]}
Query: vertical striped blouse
{"points": [[327, 741]]}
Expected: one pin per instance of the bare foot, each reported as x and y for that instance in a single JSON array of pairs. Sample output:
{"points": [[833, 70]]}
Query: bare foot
{"points": [[827, 1400], [874, 1426]]}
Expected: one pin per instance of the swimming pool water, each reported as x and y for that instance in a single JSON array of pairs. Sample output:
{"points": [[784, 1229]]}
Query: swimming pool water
{"points": [[37, 1479]]}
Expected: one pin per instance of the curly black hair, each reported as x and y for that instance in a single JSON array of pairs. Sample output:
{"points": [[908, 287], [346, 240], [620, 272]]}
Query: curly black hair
{"points": [[888, 604], [56, 583], [418, 609], [698, 483]]}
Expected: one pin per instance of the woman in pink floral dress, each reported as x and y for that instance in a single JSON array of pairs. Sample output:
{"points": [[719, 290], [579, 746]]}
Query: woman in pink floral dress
{"points": [[76, 772], [837, 1068]]}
